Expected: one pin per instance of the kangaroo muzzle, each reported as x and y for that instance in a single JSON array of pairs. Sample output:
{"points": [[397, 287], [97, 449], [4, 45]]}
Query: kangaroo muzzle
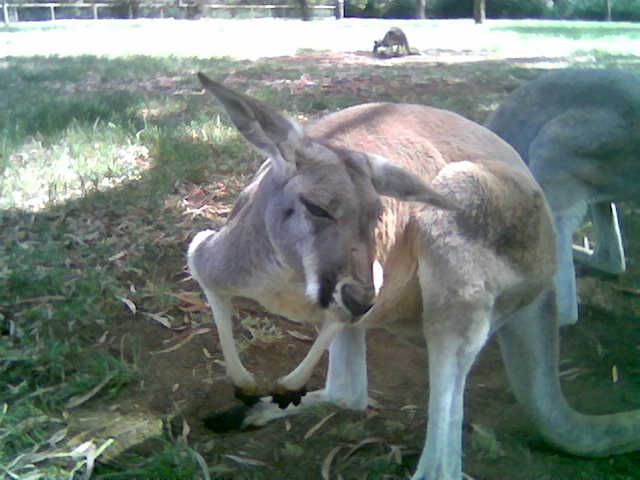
{"points": [[356, 300]]}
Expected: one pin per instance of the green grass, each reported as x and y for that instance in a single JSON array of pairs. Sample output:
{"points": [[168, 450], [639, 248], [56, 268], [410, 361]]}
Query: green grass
{"points": [[79, 161], [171, 462], [574, 30]]}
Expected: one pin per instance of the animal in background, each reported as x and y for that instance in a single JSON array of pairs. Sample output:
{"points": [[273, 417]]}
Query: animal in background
{"points": [[394, 43], [578, 130], [461, 232]]}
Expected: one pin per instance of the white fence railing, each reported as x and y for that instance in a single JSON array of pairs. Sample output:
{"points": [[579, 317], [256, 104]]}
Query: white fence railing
{"points": [[11, 10]]}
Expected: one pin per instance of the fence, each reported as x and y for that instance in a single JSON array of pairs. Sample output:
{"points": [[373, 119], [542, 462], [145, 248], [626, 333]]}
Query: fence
{"points": [[185, 10]]}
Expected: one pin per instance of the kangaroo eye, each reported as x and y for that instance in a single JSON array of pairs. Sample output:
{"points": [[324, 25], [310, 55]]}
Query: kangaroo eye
{"points": [[315, 210]]}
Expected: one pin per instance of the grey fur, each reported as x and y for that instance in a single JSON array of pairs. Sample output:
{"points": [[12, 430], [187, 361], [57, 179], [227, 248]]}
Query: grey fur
{"points": [[578, 132]]}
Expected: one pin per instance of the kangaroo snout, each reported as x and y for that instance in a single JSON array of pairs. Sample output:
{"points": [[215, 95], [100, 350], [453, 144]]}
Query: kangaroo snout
{"points": [[357, 300]]}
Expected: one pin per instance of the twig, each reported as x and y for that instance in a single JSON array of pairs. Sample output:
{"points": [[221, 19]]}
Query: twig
{"points": [[183, 342]]}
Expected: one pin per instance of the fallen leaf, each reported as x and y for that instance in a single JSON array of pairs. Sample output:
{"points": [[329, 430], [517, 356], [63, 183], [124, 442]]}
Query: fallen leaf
{"points": [[325, 471], [161, 319], [58, 436], [103, 338], [363, 443], [80, 399], [246, 461], [130, 305], [395, 454], [318, 426], [300, 336], [202, 463], [186, 430], [117, 256], [193, 301]]}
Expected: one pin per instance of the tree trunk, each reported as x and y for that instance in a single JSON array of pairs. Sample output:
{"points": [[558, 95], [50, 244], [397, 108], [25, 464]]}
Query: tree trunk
{"points": [[607, 10], [5, 12], [421, 9], [479, 14], [307, 14]]}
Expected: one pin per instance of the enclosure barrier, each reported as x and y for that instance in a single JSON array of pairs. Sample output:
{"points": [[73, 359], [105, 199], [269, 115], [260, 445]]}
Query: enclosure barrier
{"points": [[10, 10]]}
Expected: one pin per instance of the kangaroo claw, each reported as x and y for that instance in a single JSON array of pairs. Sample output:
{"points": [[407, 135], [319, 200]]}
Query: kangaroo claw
{"points": [[284, 399]]}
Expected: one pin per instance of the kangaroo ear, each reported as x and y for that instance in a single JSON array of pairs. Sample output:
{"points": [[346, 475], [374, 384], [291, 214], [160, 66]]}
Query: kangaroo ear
{"points": [[393, 181], [270, 132]]}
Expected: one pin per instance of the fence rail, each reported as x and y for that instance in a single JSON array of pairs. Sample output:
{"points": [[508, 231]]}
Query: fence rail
{"points": [[13, 8]]}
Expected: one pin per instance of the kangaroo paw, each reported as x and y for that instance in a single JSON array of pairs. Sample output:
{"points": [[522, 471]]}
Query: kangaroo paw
{"points": [[283, 399]]}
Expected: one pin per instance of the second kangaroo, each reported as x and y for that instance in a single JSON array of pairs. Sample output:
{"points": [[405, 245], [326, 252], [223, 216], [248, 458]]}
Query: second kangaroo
{"points": [[394, 42]]}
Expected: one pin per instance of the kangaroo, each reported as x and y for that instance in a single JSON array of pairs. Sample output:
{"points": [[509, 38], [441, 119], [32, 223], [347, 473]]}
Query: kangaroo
{"points": [[394, 41], [577, 131], [407, 218]]}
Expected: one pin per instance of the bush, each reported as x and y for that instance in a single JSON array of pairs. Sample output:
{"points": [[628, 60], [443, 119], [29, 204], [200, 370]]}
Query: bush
{"points": [[627, 10], [400, 9], [494, 9], [621, 10], [365, 8]]}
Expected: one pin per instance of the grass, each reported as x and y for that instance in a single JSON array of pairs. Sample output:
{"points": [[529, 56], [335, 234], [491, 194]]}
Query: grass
{"points": [[574, 30], [103, 163], [80, 162]]}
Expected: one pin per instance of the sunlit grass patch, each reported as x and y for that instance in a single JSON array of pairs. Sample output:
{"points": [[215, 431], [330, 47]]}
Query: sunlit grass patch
{"points": [[40, 176], [573, 30]]}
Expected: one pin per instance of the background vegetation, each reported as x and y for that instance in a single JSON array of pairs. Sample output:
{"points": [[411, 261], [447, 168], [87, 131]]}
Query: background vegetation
{"points": [[621, 10]]}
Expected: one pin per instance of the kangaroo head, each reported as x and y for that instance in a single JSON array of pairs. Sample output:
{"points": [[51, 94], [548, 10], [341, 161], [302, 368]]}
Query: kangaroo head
{"points": [[321, 204]]}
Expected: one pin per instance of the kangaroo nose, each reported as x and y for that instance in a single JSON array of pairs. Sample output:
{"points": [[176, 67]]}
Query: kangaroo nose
{"points": [[357, 300]]}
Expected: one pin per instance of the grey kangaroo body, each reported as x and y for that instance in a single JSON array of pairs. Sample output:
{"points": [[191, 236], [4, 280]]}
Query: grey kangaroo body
{"points": [[458, 227], [396, 41], [578, 132]]}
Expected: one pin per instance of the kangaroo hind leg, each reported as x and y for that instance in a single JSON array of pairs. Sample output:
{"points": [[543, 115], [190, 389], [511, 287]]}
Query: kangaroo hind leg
{"points": [[451, 354]]}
